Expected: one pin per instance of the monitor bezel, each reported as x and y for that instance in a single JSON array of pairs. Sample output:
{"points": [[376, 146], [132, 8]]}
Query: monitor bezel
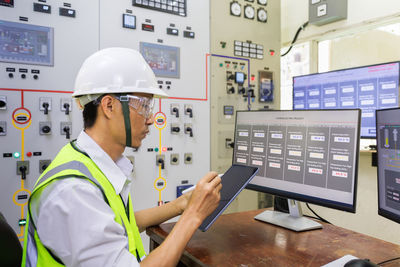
{"points": [[300, 197], [381, 211], [346, 69]]}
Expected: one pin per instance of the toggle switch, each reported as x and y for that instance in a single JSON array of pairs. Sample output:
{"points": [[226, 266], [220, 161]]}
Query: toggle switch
{"points": [[230, 89], [3, 102], [66, 129], [160, 161], [228, 143], [3, 128], [43, 164], [23, 169], [175, 110], [66, 105], [189, 110], [45, 104], [188, 129], [242, 91]]}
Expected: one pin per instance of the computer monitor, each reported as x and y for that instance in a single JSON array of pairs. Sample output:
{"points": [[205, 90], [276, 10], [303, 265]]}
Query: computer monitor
{"points": [[305, 155], [368, 88], [388, 149]]}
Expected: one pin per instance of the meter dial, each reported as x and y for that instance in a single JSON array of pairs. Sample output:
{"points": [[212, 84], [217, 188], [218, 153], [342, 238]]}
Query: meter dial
{"points": [[262, 2], [262, 15], [236, 9], [249, 12]]}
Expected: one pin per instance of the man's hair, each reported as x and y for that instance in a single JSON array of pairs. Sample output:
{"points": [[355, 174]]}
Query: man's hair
{"points": [[90, 112]]}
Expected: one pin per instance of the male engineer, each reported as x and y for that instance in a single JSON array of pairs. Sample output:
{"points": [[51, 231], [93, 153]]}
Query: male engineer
{"points": [[80, 211]]}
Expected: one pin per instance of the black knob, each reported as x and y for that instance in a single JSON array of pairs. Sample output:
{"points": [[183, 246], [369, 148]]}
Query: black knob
{"points": [[66, 106], [44, 167], [161, 162], [2, 103], [46, 105], [251, 93], [230, 77], [242, 90], [67, 132], [35, 77], [23, 169], [190, 112], [176, 111], [10, 75], [46, 129], [1, 129], [188, 158], [175, 129], [190, 131], [231, 90], [175, 159], [23, 76]]}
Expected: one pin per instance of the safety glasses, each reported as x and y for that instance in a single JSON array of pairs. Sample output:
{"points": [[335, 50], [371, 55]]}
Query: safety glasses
{"points": [[143, 105]]}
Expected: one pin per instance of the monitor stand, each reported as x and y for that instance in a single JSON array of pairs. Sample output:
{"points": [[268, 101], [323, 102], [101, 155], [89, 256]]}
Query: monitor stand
{"points": [[293, 221]]}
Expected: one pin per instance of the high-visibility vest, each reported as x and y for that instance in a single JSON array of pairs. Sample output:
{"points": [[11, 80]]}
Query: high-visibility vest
{"points": [[70, 162]]}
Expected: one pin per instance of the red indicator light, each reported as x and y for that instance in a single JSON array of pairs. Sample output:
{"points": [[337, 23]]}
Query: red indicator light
{"points": [[271, 52], [29, 154], [164, 149], [253, 78]]}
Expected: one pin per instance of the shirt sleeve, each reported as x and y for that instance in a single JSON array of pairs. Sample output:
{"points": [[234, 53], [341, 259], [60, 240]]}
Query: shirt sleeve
{"points": [[78, 226]]}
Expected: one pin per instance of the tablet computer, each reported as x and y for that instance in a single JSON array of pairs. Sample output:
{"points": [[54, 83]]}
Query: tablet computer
{"points": [[234, 181]]}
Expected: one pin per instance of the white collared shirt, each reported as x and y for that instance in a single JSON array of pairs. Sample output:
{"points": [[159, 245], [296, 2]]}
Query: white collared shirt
{"points": [[75, 222]]}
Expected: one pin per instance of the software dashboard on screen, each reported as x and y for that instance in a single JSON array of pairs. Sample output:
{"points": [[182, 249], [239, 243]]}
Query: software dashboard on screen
{"points": [[369, 88]]}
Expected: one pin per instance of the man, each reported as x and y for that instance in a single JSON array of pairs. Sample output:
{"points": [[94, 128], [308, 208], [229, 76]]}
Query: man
{"points": [[80, 212]]}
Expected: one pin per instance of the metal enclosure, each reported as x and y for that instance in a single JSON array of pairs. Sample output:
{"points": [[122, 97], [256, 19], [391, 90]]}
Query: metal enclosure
{"points": [[321, 12]]}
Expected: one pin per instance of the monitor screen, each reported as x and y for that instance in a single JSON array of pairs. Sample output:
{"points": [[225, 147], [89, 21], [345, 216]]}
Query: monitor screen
{"points": [[26, 43], [368, 88], [163, 60], [306, 155], [388, 147]]}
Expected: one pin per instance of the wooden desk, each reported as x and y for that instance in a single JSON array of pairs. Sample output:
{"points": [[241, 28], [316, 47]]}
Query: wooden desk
{"points": [[238, 240]]}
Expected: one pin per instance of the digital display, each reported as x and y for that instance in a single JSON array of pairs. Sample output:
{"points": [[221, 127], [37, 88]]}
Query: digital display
{"points": [[129, 21], [25, 43], [368, 88], [305, 155], [163, 60], [239, 77], [388, 146]]}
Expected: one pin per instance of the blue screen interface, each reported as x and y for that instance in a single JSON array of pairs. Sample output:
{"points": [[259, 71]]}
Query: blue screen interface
{"points": [[368, 88], [26, 43]]}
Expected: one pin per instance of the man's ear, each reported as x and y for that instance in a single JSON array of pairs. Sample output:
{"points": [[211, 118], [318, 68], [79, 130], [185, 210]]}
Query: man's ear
{"points": [[107, 105]]}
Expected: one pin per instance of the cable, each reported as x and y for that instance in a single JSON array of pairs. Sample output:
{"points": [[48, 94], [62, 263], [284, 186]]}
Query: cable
{"points": [[319, 217], [384, 262], [302, 27]]}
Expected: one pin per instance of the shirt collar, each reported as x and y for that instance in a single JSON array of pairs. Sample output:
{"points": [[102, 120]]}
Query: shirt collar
{"points": [[117, 172]]}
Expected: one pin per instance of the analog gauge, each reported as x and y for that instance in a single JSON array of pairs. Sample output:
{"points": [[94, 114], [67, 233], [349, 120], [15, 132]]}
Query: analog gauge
{"points": [[262, 2], [249, 12], [236, 9], [262, 15]]}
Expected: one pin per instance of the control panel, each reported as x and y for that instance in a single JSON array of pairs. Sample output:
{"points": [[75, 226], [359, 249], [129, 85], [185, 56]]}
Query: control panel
{"points": [[245, 67], [43, 44]]}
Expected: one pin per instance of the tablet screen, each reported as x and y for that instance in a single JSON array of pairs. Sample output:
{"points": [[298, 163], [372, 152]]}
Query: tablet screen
{"points": [[233, 182]]}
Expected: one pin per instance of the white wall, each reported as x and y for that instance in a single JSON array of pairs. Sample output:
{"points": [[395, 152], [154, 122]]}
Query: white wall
{"points": [[295, 12]]}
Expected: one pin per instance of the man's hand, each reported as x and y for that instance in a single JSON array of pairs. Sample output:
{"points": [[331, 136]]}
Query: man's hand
{"points": [[205, 197]]}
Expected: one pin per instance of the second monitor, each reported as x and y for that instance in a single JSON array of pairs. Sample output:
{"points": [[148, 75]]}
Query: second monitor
{"points": [[310, 156]]}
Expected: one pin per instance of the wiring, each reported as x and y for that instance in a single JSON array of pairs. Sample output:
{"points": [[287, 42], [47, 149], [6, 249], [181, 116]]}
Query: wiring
{"points": [[319, 217], [302, 27]]}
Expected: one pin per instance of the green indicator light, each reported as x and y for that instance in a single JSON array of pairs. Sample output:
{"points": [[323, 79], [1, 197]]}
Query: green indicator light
{"points": [[17, 155], [156, 149], [22, 222], [220, 64]]}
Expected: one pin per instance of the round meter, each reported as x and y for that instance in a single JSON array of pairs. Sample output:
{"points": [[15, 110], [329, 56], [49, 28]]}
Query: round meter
{"points": [[236, 9], [249, 12], [262, 15], [262, 2]]}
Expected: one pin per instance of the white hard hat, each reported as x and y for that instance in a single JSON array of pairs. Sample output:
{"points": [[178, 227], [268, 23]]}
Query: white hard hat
{"points": [[115, 70]]}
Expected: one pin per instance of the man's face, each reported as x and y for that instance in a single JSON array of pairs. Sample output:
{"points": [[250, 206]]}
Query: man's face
{"points": [[139, 124]]}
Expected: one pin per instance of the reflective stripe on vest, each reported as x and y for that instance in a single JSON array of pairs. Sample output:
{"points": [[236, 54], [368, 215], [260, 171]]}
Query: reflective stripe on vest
{"points": [[35, 254]]}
